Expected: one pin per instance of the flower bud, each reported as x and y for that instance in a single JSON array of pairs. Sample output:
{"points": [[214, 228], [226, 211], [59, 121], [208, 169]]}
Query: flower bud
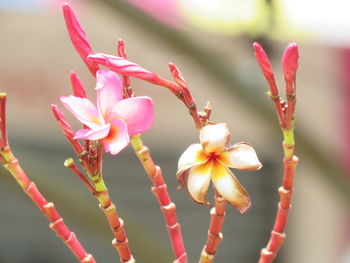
{"points": [[78, 37]]}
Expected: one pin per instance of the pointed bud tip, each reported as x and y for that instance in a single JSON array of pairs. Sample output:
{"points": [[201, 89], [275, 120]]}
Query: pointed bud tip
{"points": [[290, 61], [257, 47]]}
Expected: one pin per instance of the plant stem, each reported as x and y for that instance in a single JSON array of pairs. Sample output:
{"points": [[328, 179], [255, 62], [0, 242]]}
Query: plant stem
{"points": [[159, 189], [120, 241], [278, 235], [47, 208], [57, 224], [217, 217]]}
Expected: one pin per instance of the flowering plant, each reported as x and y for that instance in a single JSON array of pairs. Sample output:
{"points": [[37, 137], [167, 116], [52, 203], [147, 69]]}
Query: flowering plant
{"points": [[119, 119]]}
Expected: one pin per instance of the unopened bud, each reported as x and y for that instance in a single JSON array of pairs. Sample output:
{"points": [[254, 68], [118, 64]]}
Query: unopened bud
{"points": [[122, 66], [175, 72], [78, 37], [290, 63], [265, 66], [78, 88]]}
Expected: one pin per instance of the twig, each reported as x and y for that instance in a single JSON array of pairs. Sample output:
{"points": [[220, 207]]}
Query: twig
{"points": [[290, 161], [160, 191], [217, 216], [47, 208]]}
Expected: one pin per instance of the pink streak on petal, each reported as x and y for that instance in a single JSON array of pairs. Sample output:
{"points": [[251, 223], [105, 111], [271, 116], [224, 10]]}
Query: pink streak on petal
{"points": [[118, 137], [109, 91], [93, 134], [78, 37], [136, 112], [78, 88], [83, 110]]}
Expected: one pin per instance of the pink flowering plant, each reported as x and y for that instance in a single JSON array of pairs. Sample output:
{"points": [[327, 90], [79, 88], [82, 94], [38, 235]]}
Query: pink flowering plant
{"points": [[119, 118]]}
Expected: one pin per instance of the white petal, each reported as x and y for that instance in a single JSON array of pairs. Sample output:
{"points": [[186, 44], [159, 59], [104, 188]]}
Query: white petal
{"points": [[198, 181], [241, 156], [227, 185], [214, 137], [193, 155]]}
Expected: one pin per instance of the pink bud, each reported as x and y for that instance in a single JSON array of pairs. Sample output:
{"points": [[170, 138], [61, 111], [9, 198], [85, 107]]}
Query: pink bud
{"points": [[78, 88], [78, 37], [290, 63], [121, 49], [122, 66], [122, 53], [265, 66], [66, 128], [177, 75]]}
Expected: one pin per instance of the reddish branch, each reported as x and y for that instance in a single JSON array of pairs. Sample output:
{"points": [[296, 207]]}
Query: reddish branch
{"points": [[217, 217], [47, 208], [160, 191], [285, 112]]}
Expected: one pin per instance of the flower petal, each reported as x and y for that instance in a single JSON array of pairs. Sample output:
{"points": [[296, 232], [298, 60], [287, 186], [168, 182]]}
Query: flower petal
{"points": [[241, 156], [118, 137], [214, 137], [193, 155], [136, 112], [227, 185], [109, 91], [198, 181], [83, 110], [93, 134]]}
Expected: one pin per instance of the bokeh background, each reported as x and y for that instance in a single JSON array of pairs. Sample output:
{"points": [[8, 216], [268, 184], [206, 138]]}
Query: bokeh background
{"points": [[211, 42]]}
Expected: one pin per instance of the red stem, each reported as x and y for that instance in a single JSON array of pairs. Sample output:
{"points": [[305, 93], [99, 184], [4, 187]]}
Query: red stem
{"points": [[166, 205], [47, 208], [217, 217]]}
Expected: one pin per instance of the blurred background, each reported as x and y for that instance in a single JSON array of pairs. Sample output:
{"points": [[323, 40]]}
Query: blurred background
{"points": [[211, 42]]}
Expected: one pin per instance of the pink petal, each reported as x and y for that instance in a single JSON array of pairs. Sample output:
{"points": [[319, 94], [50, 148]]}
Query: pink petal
{"points": [[227, 185], [83, 110], [118, 137], [241, 156], [93, 134], [198, 181], [109, 91], [136, 112], [78, 37], [193, 155], [214, 138]]}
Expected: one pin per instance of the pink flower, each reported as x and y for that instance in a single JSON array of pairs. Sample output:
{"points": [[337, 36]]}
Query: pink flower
{"points": [[114, 120], [210, 160]]}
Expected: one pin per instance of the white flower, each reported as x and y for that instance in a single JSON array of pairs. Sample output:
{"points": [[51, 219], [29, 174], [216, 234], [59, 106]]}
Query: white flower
{"points": [[210, 160]]}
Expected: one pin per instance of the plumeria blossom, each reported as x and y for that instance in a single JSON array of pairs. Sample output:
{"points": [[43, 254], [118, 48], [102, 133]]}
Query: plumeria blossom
{"points": [[114, 119], [210, 160]]}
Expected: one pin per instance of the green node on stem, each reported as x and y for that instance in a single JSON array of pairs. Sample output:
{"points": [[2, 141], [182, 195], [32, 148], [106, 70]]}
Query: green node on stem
{"points": [[136, 142]]}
